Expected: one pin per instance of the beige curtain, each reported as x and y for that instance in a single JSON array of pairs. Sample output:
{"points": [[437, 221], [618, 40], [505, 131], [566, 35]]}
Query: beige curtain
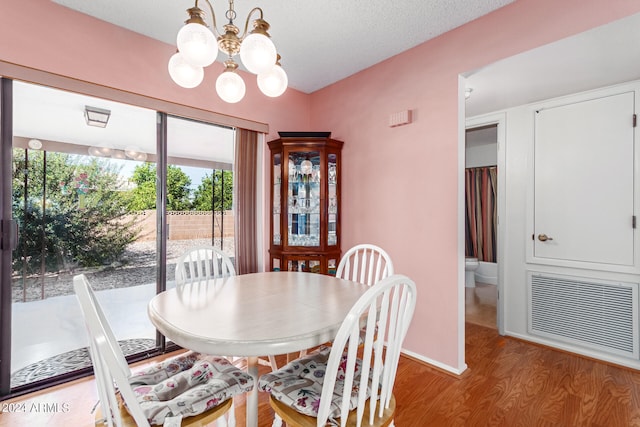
{"points": [[245, 187]]}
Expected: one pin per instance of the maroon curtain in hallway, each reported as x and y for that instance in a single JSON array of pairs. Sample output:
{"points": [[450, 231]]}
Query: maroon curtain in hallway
{"points": [[481, 212]]}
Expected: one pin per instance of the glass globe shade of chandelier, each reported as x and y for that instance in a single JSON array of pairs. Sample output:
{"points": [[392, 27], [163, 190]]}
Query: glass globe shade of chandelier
{"points": [[197, 44], [183, 73], [274, 82], [229, 85], [197, 48], [258, 53]]}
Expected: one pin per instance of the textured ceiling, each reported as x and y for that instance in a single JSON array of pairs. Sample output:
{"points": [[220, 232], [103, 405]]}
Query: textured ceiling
{"points": [[320, 41]]}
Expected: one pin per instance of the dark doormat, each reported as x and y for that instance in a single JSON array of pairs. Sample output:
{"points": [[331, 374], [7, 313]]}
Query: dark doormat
{"points": [[72, 361]]}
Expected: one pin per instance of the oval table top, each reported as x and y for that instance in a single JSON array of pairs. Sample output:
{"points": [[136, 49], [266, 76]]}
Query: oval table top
{"points": [[257, 314]]}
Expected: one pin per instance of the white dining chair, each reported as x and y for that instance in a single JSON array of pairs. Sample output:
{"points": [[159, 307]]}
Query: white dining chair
{"points": [[201, 263], [366, 264], [333, 385], [198, 388]]}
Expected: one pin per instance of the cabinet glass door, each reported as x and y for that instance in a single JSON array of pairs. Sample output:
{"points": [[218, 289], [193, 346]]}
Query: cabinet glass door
{"points": [[303, 204], [332, 167], [277, 182]]}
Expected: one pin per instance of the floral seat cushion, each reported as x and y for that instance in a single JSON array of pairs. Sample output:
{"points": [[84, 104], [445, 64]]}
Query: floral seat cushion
{"points": [[298, 384], [187, 385]]}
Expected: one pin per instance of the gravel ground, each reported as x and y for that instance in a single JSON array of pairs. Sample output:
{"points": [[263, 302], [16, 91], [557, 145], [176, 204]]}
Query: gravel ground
{"points": [[138, 267]]}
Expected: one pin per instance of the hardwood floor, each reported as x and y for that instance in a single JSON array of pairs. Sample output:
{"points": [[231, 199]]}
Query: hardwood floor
{"points": [[513, 383], [508, 383], [480, 305]]}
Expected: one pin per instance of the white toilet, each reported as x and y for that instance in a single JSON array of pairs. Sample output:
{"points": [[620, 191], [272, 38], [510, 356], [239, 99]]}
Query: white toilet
{"points": [[470, 267]]}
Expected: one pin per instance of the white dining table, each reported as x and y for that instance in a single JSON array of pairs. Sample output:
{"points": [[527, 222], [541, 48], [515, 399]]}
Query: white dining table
{"points": [[251, 315]]}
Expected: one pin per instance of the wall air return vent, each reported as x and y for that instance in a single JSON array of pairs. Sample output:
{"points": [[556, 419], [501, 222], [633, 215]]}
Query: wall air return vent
{"points": [[587, 312]]}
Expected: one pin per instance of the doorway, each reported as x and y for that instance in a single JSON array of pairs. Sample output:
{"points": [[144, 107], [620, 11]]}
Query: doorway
{"points": [[481, 159], [484, 205]]}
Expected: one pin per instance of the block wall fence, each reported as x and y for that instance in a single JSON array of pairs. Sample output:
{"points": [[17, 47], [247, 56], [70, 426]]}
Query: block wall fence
{"points": [[186, 225]]}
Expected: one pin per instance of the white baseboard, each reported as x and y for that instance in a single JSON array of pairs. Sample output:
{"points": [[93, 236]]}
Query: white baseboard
{"points": [[439, 365], [607, 358]]}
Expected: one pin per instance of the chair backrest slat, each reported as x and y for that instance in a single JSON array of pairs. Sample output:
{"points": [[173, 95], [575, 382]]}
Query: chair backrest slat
{"points": [[366, 368], [366, 264], [386, 310], [350, 367], [397, 301], [372, 263]]}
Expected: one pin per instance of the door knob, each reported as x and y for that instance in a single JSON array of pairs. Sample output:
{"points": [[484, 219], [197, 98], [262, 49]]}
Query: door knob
{"points": [[544, 237]]}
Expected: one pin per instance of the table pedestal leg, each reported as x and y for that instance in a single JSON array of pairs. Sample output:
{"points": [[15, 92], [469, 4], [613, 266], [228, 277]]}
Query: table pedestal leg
{"points": [[252, 396]]}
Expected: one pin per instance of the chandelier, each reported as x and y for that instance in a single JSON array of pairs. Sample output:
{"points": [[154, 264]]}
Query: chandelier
{"points": [[198, 48]]}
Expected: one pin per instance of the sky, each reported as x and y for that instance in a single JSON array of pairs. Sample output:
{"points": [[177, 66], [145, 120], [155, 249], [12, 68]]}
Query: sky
{"points": [[195, 174]]}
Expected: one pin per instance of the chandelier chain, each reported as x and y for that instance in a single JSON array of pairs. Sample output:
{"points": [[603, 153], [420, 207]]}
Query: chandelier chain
{"points": [[231, 13]]}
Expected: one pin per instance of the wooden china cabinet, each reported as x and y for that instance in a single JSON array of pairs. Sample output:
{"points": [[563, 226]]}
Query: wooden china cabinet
{"points": [[305, 202]]}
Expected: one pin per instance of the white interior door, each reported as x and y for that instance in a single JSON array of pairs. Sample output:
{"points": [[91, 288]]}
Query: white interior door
{"points": [[584, 176]]}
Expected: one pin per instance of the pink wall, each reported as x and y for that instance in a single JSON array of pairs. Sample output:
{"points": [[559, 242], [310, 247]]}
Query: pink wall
{"points": [[414, 168], [400, 184]]}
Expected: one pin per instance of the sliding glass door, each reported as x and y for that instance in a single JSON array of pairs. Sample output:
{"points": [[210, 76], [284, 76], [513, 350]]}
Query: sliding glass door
{"points": [[74, 163], [80, 179], [199, 188]]}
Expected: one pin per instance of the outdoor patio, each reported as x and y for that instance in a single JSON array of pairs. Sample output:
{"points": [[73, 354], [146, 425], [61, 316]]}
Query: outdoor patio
{"points": [[48, 335], [53, 327]]}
